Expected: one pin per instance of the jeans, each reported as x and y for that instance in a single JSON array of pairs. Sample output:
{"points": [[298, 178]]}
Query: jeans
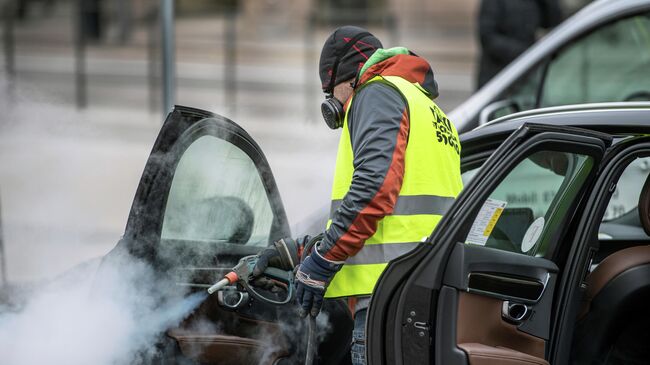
{"points": [[358, 350]]}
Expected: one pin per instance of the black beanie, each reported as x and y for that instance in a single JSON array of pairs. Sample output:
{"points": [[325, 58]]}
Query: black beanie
{"points": [[344, 53]]}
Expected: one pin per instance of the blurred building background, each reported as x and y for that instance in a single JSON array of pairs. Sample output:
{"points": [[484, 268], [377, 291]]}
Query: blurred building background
{"points": [[81, 101], [232, 55]]}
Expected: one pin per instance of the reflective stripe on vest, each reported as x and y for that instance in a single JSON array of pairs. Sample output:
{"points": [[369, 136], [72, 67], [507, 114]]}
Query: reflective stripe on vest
{"points": [[430, 184], [412, 204]]}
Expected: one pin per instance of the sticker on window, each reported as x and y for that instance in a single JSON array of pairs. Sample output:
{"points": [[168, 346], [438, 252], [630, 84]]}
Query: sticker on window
{"points": [[485, 221], [532, 235]]}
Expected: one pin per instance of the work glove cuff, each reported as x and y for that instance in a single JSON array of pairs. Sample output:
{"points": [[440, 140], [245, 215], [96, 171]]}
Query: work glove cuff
{"points": [[330, 267]]}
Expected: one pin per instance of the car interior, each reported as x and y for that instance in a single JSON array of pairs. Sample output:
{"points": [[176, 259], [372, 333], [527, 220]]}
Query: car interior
{"points": [[502, 311], [613, 325]]}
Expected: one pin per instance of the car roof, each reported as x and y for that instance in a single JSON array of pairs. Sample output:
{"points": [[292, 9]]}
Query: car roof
{"points": [[593, 15], [628, 118]]}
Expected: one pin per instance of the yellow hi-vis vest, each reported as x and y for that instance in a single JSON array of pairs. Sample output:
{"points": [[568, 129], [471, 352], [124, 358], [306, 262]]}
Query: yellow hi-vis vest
{"points": [[431, 183]]}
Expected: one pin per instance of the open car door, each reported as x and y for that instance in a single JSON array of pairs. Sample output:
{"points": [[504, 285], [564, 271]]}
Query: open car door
{"points": [[207, 198], [482, 288]]}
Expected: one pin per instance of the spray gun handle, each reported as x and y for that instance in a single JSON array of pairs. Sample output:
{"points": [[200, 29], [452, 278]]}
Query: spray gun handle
{"points": [[285, 277], [247, 264], [279, 275], [241, 273]]}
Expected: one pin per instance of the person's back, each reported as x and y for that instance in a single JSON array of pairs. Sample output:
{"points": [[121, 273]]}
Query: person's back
{"points": [[397, 168], [397, 172], [507, 28]]}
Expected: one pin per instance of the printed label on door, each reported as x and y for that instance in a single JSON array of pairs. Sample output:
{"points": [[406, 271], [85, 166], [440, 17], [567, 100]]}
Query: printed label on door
{"points": [[485, 221]]}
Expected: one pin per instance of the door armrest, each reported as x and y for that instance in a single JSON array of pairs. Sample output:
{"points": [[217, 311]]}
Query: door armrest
{"points": [[480, 354]]}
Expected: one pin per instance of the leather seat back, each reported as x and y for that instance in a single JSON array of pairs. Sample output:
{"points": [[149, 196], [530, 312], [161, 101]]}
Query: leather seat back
{"points": [[626, 259], [619, 285]]}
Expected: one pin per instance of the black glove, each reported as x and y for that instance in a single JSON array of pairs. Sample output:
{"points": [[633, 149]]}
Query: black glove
{"points": [[312, 278], [284, 254]]}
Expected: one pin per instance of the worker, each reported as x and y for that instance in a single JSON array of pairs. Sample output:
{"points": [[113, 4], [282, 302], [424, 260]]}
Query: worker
{"points": [[397, 171]]}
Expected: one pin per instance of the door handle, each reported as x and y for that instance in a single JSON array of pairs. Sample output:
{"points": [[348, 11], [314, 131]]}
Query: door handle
{"points": [[514, 313]]}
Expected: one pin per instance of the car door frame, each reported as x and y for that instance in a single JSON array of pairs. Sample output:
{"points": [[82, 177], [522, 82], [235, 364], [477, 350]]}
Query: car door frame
{"points": [[385, 337], [144, 225], [572, 285]]}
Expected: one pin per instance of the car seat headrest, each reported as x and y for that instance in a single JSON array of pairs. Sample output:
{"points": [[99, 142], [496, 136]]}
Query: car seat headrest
{"points": [[644, 206]]}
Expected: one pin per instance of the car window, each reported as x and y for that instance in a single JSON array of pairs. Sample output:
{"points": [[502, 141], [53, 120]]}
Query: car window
{"points": [[609, 64], [628, 189], [524, 92], [217, 196], [623, 202], [528, 204]]}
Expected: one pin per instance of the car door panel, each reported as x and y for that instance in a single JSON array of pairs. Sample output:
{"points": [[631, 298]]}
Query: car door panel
{"points": [[452, 292], [207, 198], [244, 340], [480, 322], [487, 355], [492, 272], [490, 283]]}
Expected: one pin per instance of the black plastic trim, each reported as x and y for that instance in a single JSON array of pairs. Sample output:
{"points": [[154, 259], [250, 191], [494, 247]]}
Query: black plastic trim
{"points": [[505, 286], [447, 351], [486, 265]]}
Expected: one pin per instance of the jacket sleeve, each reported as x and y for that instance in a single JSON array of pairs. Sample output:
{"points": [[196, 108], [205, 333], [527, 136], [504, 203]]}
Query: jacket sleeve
{"points": [[497, 45], [379, 130]]}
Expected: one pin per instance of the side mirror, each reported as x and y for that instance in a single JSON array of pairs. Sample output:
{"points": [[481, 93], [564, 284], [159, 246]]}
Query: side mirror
{"points": [[497, 109]]}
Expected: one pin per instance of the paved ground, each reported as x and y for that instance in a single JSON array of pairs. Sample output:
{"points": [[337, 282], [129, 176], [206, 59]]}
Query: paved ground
{"points": [[67, 177]]}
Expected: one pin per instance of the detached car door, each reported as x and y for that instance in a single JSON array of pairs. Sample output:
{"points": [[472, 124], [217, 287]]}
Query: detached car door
{"points": [[481, 289], [207, 198]]}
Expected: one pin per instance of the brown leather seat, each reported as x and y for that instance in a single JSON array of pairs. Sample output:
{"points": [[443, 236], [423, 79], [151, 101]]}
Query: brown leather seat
{"points": [[618, 292], [612, 266], [623, 260]]}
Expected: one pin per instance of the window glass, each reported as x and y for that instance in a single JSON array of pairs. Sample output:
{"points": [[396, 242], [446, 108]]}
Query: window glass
{"points": [[610, 64], [217, 196], [628, 189], [621, 211], [524, 92], [528, 203]]}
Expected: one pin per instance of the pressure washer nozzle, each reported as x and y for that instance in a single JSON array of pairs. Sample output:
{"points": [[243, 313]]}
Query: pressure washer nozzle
{"points": [[218, 286], [230, 278]]}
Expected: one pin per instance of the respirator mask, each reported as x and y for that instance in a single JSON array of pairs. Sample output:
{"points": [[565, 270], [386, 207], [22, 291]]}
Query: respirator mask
{"points": [[331, 108]]}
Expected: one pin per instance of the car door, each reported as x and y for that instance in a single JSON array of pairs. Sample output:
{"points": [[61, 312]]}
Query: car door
{"points": [[207, 195], [206, 198], [481, 289]]}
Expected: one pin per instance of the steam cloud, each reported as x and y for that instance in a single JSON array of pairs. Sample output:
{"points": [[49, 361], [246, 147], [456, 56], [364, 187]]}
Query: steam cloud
{"points": [[108, 315], [102, 312]]}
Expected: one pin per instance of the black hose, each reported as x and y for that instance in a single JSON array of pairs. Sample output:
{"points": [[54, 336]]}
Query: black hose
{"points": [[309, 245], [311, 340]]}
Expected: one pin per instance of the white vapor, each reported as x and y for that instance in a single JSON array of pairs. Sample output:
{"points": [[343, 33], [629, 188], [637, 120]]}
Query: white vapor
{"points": [[114, 317]]}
